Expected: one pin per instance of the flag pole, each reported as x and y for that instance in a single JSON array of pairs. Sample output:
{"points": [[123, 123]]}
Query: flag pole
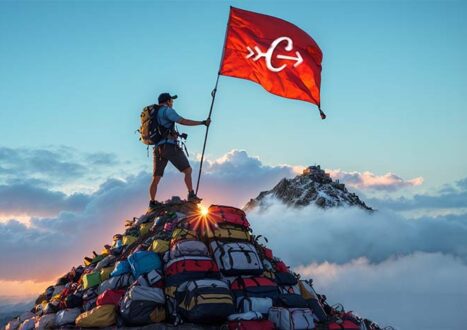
{"points": [[213, 94]]}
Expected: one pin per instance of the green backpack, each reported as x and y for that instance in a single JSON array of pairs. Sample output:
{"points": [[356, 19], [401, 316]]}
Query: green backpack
{"points": [[91, 280]]}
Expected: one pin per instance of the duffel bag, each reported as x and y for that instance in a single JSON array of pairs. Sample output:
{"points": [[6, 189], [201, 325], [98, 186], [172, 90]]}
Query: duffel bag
{"points": [[128, 240], [254, 304], [89, 304], [143, 262], [291, 318], [91, 280], [237, 258], [309, 294], [184, 269], [93, 260], [280, 267], [146, 294], [228, 233], [25, 316], [160, 246], [254, 287], [117, 282], [286, 278], [98, 317], [144, 228], [110, 297], [122, 267], [290, 300], [107, 261], [45, 322], [154, 278], [183, 233], [67, 316], [251, 325], [346, 321], [228, 214], [28, 324], [105, 272], [73, 301], [90, 293], [248, 316], [266, 253], [284, 289], [204, 301], [141, 312], [188, 247]]}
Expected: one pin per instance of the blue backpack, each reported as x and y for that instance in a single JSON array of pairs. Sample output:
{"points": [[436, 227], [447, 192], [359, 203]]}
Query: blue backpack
{"points": [[143, 262], [122, 267]]}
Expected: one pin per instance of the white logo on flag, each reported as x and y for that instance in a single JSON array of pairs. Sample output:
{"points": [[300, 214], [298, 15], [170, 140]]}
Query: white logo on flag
{"points": [[268, 55]]}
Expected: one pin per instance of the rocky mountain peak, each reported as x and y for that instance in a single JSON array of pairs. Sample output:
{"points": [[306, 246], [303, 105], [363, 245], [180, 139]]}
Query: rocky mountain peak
{"points": [[313, 186]]}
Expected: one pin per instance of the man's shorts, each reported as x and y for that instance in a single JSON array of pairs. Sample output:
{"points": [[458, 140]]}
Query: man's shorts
{"points": [[169, 152]]}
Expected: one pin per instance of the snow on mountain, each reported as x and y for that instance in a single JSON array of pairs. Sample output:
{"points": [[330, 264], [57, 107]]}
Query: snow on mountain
{"points": [[313, 186]]}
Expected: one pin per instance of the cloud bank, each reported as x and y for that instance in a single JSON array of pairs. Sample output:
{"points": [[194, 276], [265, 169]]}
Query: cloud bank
{"points": [[367, 180], [342, 234], [398, 291], [450, 196], [386, 267]]}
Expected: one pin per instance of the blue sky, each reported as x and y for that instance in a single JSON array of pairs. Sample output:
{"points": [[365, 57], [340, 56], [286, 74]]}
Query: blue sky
{"points": [[78, 73]]}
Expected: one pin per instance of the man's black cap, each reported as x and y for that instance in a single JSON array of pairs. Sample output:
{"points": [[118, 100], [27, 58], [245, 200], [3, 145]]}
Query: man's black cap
{"points": [[164, 97]]}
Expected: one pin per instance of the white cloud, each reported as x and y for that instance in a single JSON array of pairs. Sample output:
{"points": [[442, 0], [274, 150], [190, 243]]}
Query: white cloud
{"points": [[409, 273], [417, 291], [339, 235], [369, 180]]}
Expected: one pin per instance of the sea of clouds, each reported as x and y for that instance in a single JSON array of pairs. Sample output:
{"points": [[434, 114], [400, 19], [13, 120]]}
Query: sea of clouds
{"points": [[409, 272]]}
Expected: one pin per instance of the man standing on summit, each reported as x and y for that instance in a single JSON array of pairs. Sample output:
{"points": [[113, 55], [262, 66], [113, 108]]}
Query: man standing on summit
{"points": [[168, 149]]}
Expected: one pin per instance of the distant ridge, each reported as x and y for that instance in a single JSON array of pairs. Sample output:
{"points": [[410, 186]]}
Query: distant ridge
{"points": [[313, 186]]}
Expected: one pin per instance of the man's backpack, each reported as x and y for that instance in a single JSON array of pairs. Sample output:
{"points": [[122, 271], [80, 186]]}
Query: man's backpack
{"points": [[150, 130]]}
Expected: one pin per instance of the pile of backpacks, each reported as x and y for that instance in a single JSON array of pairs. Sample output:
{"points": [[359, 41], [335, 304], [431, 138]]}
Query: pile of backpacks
{"points": [[175, 265]]}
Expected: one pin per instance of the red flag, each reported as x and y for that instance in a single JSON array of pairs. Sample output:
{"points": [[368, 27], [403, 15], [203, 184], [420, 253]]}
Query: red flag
{"points": [[276, 54]]}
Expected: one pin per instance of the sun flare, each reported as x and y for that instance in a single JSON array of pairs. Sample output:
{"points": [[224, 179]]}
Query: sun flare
{"points": [[203, 210]]}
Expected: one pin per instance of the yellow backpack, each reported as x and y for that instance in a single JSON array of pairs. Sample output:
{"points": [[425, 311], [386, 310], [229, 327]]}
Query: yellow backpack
{"points": [[128, 240], [151, 132], [159, 246], [227, 232], [144, 228], [98, 317], [105, 272]]}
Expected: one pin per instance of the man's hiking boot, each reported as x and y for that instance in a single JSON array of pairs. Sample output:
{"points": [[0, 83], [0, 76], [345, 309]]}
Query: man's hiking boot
{"points": [[193, 198], [153, 205]]}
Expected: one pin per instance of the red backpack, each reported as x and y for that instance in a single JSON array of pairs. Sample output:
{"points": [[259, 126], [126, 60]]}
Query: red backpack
{"points": [[229, 215], [110, 297]]}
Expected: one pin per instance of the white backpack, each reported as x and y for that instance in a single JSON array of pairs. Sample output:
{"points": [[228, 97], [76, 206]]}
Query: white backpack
{"points": [[187, 247], [146, 293], [237, 258], [292, 318], [254, 304]]}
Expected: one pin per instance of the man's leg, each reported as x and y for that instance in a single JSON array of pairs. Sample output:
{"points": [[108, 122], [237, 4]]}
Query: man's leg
{"points": [[188, 181], [180, 161], [159, 164], [153, 187]]}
